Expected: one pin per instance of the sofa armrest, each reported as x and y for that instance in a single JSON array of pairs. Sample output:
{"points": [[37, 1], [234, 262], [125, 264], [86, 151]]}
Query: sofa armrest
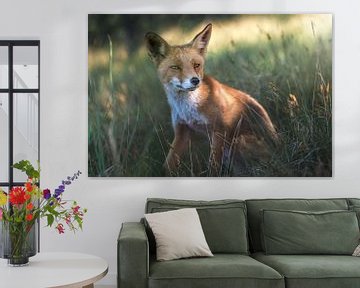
{"points": [[133, 256]]}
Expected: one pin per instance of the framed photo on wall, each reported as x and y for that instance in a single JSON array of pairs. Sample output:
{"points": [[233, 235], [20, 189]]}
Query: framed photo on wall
{"points": [[227, 95]]}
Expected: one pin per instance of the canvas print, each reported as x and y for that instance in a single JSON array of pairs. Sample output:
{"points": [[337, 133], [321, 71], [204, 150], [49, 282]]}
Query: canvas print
{"points": [[210, 95]]}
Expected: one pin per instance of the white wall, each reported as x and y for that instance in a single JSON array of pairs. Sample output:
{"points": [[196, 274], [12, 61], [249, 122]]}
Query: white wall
{"points": [[4, 124], [61, 25]]}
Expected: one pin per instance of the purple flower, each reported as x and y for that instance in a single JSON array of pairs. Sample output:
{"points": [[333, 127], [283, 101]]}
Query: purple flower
{"points": [[58, 192], [68, 181], [46, 194]]}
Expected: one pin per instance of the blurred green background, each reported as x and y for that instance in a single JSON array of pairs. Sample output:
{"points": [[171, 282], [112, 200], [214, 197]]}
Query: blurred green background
{"points": [[284, 61]]}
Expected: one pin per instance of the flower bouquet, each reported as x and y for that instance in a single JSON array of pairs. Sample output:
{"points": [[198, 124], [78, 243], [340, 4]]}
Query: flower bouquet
{"points": [[21, 208]]}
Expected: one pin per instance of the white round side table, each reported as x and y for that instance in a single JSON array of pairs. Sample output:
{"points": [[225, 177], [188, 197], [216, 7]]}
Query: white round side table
{"points": [[50, 270]]}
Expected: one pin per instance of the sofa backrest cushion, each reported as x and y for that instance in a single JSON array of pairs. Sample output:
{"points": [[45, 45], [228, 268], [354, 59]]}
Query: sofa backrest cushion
{"points": [[353, 202], [298, 232], [255, 206], [354, 205], [223, 221]]}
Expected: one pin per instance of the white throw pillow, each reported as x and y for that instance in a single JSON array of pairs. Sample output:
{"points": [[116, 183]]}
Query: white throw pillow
{"points": [[357, 251], [178, 234]]}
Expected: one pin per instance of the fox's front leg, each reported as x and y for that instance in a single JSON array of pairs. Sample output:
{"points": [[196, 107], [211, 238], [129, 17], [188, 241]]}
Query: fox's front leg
{"points": [[217, 153], [179, 144]]}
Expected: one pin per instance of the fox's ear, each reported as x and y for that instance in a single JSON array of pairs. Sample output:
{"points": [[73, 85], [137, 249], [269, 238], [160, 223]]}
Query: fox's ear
{"points": [[157, 47], [201, 40]]}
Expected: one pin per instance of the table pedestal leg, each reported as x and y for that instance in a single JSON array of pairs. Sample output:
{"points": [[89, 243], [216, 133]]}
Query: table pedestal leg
{"points": [[89, 286]]}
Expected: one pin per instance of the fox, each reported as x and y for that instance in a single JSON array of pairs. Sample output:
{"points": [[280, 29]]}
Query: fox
{"points": [[230, 118]]}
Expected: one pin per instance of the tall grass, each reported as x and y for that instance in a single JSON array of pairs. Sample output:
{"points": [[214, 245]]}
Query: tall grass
{"points": [[129, 119]]}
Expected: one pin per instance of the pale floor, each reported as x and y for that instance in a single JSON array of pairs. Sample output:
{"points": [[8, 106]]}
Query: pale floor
{"points": [[104, 286]]}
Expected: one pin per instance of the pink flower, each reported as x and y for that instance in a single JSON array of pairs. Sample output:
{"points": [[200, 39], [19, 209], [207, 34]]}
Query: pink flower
{"points": [[76, 209], [60, 228], [1, 212], [68, 219]]}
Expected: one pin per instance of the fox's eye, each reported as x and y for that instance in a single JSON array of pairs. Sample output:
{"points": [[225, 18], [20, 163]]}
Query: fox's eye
{"points": [[175, 67], [196, 65]]}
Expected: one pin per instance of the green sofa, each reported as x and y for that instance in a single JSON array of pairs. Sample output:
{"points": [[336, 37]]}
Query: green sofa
{"points": [[247, 249]]}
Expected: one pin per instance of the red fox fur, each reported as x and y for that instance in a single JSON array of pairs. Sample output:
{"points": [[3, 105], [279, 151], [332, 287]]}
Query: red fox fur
{"points": [[200, 103]]}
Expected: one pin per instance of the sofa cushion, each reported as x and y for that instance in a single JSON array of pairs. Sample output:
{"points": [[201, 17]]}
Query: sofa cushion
{"points": [[254, 216], [313, 271], [178, 234], [223, 221], [297, 232], [356, 209], [222, 270]]}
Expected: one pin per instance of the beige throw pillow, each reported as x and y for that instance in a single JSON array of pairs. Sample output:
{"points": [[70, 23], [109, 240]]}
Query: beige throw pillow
{"points": [[178, 234]]}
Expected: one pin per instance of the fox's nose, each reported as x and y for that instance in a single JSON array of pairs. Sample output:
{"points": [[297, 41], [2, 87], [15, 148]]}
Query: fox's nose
{"points": [[194, 81]]}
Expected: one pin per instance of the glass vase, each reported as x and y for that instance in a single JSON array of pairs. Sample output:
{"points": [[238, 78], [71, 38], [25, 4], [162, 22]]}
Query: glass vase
{"points": [[18, 242]]}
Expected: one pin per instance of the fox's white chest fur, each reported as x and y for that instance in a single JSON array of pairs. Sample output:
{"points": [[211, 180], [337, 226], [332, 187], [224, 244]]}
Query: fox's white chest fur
{"points": [[184, 107]]}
